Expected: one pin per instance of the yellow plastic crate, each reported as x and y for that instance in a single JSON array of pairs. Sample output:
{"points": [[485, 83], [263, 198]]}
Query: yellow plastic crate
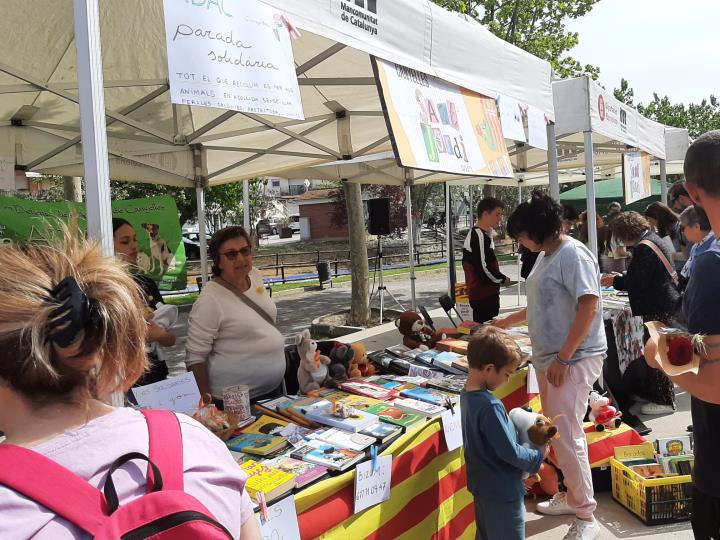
{"points": [[653, 500]]}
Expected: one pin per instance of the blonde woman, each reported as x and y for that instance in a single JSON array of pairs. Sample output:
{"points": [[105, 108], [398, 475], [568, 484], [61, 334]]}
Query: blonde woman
{"points": [[71, 330]]}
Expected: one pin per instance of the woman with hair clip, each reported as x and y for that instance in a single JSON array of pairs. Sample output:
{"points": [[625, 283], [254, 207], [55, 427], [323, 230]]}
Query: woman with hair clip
{"points": [[566, 328], [72, 330]]}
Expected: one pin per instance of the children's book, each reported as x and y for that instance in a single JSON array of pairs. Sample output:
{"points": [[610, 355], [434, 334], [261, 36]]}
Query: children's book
{"points": [[304, 472], [428, 395], [452, 345], [256, 443], [382, 432], [422, 407], [461, 364], [266, 425], [271, 481], [467, 327], [344, 439], [354, 422], [393, 414], [450, 383], [295, 411], [367, 389], [651, 470], [382, 359], [426, 358], [327, 455], [398, 350], [674, 446]]}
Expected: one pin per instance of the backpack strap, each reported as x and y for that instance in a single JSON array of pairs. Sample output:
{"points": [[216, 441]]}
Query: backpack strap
{"points": [[663, 259], [165, 448], [53, 486]]}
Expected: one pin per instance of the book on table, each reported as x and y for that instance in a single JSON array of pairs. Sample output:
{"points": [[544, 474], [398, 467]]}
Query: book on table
{"points": [[428, 395], [367, 389], [421, 407], [305, 472], [383, 432], [344, 439], [354, 422], [397, 350], [273, 482], [450, 383], [393, 414], [256, 443], [357, 401], [266, 425], [327, 455]]}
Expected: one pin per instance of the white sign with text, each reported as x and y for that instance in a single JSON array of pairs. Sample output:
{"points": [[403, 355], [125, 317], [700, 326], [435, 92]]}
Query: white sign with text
{"points": [[452, 428], [282, 523], [178, 394], [372, 487], [231, 55], [419, 371]]}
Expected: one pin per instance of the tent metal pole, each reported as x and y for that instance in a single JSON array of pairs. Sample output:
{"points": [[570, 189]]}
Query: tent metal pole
{"points": [[517, 258], [552, 162], [470, 204], [590, 188], [246, 205], [663, 182], [411, 237], [200, 195], [92, 122], [449, 241]]}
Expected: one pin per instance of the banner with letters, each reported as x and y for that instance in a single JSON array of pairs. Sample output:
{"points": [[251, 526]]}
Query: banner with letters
{"points": [[438, 126], [636, 176], [231, 55], [161, 253]]}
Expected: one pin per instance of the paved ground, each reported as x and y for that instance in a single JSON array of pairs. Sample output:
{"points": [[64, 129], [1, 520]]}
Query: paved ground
{"points": [[297, 309]]}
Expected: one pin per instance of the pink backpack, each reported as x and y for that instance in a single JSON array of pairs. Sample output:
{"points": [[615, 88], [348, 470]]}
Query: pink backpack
{"points": [[165, 512]]}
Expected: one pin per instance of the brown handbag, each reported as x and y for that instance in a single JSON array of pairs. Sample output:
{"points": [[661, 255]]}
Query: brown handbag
{"points": [[660, 255]]}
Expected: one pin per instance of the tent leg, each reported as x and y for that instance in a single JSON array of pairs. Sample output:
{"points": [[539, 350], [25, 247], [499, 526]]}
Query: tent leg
{"points": [[518, 255], [411, 239], [449, 241], [246, 205], [663, 182], [553, 162], [92, 123], [200, 194], [590, 187]]}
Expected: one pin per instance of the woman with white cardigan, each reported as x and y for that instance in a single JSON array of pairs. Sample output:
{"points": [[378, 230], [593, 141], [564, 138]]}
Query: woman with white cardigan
{"points": [[232, 337]]}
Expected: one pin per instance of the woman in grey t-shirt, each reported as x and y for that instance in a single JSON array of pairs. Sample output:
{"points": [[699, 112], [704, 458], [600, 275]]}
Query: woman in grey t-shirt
{"points": [[564, 319]]}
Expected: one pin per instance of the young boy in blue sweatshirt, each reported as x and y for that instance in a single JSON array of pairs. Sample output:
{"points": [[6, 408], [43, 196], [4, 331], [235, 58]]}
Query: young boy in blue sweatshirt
{"points": [[494, 459]]}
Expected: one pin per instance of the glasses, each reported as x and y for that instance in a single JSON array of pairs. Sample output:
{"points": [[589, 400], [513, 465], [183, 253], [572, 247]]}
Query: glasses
{"points": [[232, 255]]}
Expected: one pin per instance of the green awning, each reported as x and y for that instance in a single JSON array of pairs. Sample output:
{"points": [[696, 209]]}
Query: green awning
{"points": [[607, 191]]}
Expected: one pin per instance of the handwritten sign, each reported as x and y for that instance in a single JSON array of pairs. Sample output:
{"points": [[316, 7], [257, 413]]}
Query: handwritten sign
{"points": [[452, 428], [372, 487], [532, 382], [231, 55], [7, 173], [178, 394], [283, 522], [419, 371]]}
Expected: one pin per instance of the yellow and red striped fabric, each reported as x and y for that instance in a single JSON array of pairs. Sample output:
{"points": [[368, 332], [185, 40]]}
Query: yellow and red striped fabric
{"points": [[428, 498]]}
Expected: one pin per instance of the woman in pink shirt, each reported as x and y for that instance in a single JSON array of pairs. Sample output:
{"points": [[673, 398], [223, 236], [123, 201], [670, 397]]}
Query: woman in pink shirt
{"points": [[71, 330]]}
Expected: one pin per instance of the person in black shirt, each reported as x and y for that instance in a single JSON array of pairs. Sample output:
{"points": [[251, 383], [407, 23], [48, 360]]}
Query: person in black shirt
{"points": [[700, 306]]}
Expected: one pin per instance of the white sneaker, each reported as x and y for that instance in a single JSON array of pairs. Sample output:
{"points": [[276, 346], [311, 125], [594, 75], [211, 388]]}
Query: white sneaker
{"points": [[556, 506], [583, 530], [651, 409]]}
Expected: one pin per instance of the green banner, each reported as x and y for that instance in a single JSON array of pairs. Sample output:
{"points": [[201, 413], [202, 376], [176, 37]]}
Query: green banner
{"points": [[155, 220]]}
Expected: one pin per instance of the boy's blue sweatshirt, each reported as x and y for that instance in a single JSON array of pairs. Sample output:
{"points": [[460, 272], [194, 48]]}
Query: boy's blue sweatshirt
{"points": [[494, 459]]}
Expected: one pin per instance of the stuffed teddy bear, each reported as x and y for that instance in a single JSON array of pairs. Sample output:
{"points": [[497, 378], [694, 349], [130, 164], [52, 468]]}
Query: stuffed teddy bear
{"points": [[602, 414], [313, 370], [416, 334], [360, 361], [340, 358], [534, 430]]}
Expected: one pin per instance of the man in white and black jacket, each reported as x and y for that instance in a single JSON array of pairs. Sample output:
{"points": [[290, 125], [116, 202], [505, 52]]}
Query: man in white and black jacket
{"points": [[482, 270]]}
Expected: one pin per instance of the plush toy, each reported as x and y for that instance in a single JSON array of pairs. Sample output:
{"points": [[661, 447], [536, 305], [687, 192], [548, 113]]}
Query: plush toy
{"points": [[534, 430], [340, 358], [361, 362], [602, 414], [313, 370], [416, 334]]}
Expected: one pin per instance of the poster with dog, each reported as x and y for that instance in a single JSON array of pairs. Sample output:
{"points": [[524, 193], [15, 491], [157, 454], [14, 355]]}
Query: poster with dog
{"points": [[161, 253]]}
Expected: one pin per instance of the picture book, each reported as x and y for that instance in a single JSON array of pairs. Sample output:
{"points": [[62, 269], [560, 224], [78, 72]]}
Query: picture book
{"points": [[422, 407], [461, 364], [382, 432], [452, 383], [467, 327], [382, 359], [452, 345], [674, 446], [354, 422], [295, 411], [367, 389], [256, 443], [672, 464], [304, 472], [651, 470], [266, 425], [327, 455], [426, 358], [271, 481], [398, 350], [344, 439], [428, 395], [393, 414]]}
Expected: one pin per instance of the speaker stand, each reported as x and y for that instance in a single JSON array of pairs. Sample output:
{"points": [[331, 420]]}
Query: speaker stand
{"points": [[382, 289]]}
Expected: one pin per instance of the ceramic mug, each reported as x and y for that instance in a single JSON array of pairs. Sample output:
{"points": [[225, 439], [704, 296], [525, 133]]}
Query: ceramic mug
{"points": [[236, 399]]}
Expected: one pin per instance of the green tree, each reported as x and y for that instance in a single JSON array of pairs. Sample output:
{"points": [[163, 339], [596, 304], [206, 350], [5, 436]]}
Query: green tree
{"points": [[536, 26]]}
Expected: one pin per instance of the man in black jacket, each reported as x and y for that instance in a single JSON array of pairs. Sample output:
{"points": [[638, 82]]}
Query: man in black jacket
{"points": [[482, 270]]}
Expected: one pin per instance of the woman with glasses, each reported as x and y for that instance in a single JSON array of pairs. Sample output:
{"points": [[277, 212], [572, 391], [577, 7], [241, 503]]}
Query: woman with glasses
{"points": [[232, 337]]}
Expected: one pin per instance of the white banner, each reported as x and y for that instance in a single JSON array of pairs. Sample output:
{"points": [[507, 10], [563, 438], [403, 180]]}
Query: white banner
{"points": [[233, 56], [636, 176], [7, 173]]}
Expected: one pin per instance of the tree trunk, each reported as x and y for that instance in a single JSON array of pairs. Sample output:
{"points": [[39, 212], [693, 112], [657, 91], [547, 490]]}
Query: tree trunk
{"points": [[359, 308], [72, 188]]}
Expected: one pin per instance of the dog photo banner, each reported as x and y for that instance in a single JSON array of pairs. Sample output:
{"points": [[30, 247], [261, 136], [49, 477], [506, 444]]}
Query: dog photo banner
{"points": [[439, 126], [161, 253]]}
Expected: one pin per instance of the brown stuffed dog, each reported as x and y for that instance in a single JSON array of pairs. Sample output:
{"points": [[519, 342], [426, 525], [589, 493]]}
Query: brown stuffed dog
{"points": [[534, 430], [416, 334]]}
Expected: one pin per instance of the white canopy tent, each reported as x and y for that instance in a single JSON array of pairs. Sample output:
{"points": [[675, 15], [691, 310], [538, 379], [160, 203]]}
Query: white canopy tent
{"points": [[151, 140]]}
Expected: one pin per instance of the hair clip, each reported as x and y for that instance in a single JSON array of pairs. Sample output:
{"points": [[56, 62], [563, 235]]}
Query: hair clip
{"points": [[75, 312]]}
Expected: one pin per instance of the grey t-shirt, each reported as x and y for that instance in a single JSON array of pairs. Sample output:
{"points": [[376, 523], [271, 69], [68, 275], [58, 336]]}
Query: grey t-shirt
{"points": [[553, 289]]}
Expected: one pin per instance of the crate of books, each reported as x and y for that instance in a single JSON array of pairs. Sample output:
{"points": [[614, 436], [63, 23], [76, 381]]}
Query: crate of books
{"points": [[654, 481]]}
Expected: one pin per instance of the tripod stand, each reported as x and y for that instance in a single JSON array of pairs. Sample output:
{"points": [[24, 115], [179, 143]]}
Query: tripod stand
{"points": [[382, 290]]}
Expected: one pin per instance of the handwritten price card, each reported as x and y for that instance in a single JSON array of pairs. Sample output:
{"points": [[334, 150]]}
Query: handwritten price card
{"points": [[178, 394], [452, 428], [419, 371], [282, 523], [372, 487]]}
